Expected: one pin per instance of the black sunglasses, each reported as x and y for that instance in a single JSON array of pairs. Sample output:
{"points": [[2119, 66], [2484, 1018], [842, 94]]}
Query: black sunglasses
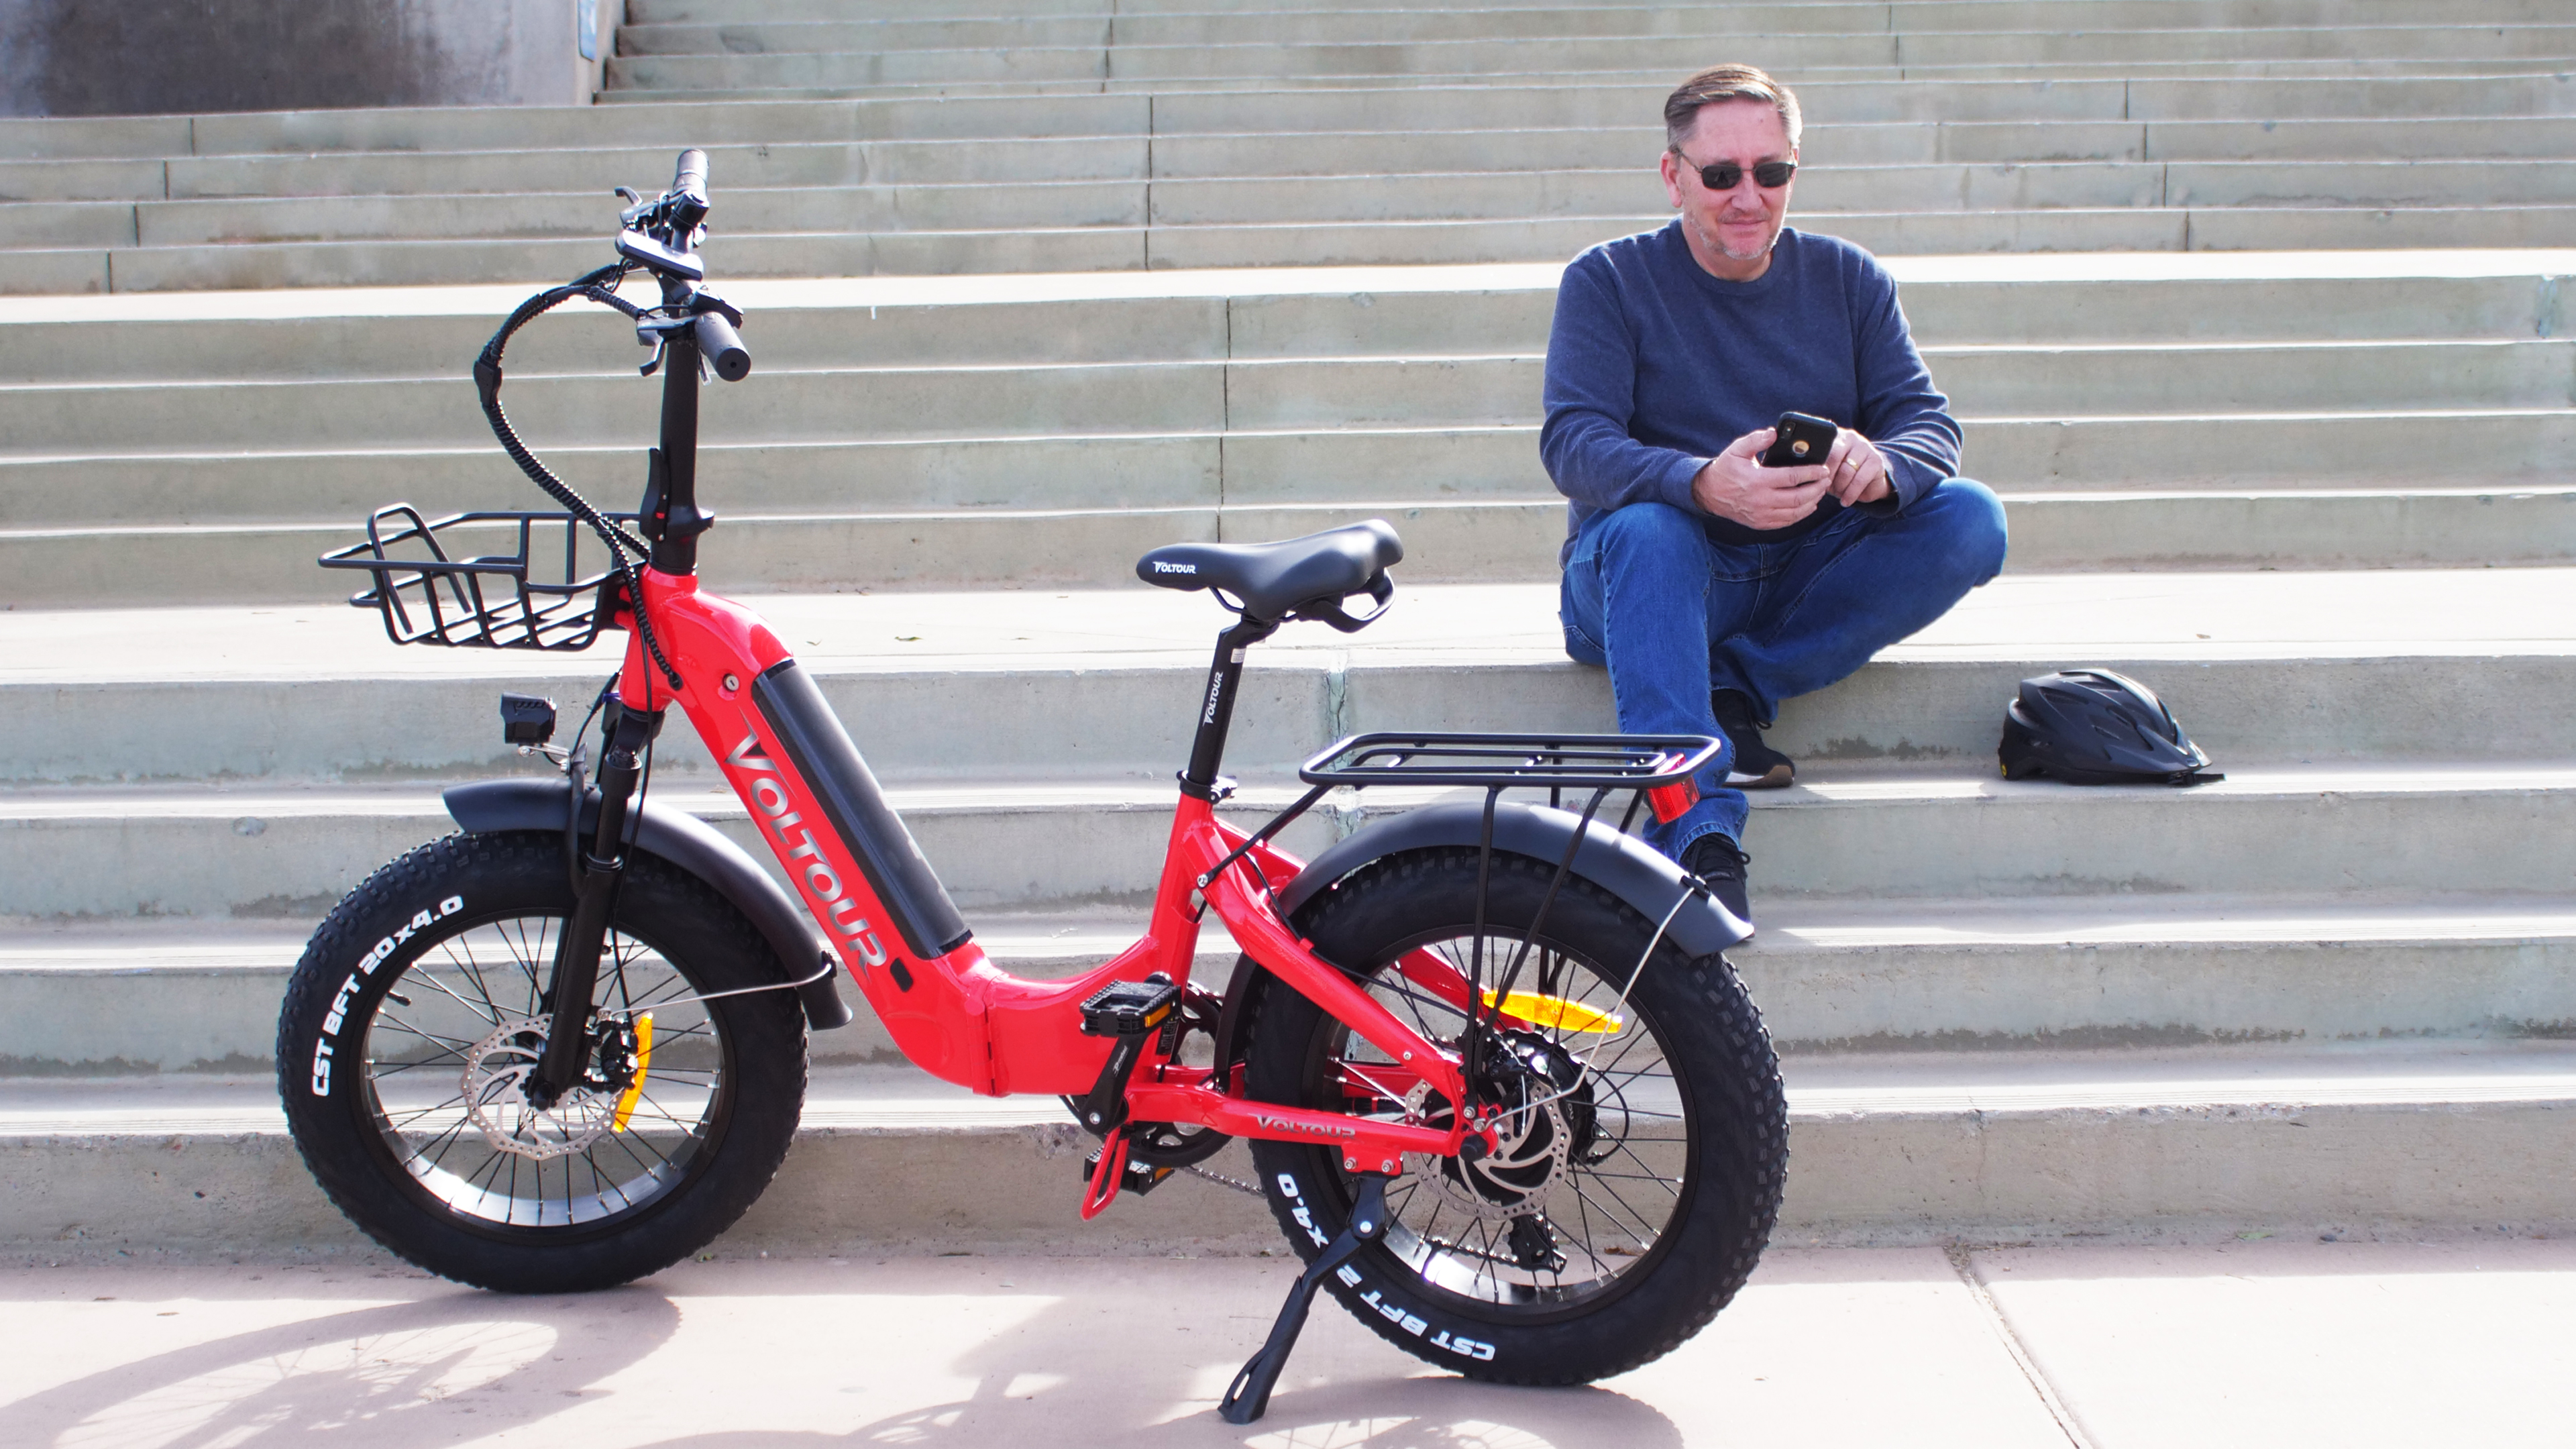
{"points": [[1723, 175]]}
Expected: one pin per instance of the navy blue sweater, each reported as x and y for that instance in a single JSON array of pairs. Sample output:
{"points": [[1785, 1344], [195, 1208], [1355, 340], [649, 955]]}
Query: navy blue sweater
{"points": [[1654, 366]]}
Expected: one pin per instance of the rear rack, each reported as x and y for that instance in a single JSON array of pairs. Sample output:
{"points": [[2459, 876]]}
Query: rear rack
{"points": [[1657, 767], [483, 602], [1505, 762]]}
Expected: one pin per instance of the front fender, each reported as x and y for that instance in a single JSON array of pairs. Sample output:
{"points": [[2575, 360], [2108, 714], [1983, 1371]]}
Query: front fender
{"points": [[1648, 881], [687, 842]]}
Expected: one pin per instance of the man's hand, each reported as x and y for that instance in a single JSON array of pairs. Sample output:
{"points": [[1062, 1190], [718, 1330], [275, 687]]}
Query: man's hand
{"points": [[1857, 470], [1733, 486]]}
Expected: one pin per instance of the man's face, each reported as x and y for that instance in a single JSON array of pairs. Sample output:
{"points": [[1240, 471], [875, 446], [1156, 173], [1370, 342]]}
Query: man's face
{"points": [[1731, 231]]}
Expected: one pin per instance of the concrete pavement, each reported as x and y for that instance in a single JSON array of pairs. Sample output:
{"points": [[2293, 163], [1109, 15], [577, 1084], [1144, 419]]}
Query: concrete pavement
{"points": [[2250, 1343]]}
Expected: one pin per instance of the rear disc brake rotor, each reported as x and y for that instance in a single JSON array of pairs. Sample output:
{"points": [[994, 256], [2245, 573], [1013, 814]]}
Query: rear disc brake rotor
{"points": [[1509, 1182]]}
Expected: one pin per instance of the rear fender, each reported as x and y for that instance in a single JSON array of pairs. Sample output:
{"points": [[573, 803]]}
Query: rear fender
{"points": [[687, 842], [1648, 881]]}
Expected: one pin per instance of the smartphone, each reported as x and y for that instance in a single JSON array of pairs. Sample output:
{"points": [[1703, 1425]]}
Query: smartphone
{"points": [[1802, 440]]}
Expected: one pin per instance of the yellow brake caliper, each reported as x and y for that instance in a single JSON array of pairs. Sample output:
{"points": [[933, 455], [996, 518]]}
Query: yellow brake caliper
{"points": [[635, 1085]]}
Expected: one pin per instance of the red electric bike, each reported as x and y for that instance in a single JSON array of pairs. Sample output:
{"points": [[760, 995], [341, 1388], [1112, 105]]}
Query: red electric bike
{"points": [[1505, 1094]]}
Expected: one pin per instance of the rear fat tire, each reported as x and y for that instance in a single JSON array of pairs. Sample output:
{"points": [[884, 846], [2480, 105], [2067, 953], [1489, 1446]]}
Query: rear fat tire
{"points": [[1722, 1065], [734, 1069]]}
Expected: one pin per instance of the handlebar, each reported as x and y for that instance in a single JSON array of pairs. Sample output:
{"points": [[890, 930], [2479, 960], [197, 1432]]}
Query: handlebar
{"points": [[689, 179], [722, 347]]}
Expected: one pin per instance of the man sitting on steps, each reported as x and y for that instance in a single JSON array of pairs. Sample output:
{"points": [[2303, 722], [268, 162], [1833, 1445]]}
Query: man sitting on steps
{"points": [[1712, 587]]}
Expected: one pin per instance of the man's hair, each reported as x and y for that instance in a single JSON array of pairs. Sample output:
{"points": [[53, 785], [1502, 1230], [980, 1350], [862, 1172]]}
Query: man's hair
{"points": [[1727, 83]]}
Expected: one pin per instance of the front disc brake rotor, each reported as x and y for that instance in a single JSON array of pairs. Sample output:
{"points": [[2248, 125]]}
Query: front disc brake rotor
{"points": [[495, 1083]]}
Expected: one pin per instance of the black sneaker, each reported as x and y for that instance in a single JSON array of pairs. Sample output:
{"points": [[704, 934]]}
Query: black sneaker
{"points": [[1756, 766], [1714, 859]]}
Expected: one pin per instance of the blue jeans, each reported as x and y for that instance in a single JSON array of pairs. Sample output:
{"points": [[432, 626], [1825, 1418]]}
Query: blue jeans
{"points": [[1674, 613]]}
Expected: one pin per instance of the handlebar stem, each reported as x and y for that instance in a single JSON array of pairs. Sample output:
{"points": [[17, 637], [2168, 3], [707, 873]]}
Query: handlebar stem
{"points": [[675, 547]]}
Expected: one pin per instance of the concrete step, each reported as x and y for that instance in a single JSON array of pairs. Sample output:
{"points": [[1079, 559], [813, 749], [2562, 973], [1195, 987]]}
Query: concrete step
{"points": [[1241, 394], [830, 159], [251, 854], [761, 120], [2480, 107], [1282, 313], [2291, 467], [968, 206], [538, 260], [2263, 668], [1491, 539], [1358, 151], [767, 29], [2117, 972], [1276, 313], [1788, 53], [85, 525], [1645, 76], [1824, 146], [2209, 1143], [1561, 99], [828, 207], [735, 168], [1811, 14]]}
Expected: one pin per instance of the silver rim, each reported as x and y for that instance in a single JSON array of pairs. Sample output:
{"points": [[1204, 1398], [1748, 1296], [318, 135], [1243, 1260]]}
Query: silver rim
{"points": [[1601, 1172], [437, 1047]]}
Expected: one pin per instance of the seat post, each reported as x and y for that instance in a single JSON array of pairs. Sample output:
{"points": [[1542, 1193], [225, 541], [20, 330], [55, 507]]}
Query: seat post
{"points": [[1216, 706]]}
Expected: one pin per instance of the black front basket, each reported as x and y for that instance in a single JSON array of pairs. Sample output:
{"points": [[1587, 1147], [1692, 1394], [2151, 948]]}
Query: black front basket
{"points": [[487, 601]]}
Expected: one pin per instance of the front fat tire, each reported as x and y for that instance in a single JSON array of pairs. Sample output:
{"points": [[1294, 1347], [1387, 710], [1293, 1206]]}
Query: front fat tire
{"points": [[358, 1016], [1736, 1140]]}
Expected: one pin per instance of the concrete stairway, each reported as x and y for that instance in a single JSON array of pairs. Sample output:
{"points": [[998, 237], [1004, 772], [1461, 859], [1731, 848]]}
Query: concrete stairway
{"points": [[2206, 411], [2273, 480], [1072, 140]]}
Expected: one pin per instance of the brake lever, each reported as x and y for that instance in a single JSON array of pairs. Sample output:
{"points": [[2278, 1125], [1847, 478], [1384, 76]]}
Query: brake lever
{"points": [[706, 301]]}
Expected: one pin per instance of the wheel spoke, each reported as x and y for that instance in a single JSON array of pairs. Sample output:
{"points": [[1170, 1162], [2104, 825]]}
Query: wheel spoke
{"points": [[463, 982]]}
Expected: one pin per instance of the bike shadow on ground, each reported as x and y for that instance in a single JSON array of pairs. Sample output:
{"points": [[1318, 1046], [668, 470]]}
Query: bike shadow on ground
{"points": [[1111, 1354], [1392, 1413], [456, 1363]]}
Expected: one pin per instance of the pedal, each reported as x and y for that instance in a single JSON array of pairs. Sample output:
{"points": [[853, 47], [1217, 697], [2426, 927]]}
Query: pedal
{"points": [[1139, 1178], [1127, 1011], [1130, 1008]]}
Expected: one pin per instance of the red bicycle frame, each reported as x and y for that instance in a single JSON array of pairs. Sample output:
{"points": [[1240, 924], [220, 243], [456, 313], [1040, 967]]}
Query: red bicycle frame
{"points": [[963, 1019], [1108, 1041]]}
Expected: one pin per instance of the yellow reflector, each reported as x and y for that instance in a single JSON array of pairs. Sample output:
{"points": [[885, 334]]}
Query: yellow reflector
{"points": [[643, 1060], [1557, 1012]]}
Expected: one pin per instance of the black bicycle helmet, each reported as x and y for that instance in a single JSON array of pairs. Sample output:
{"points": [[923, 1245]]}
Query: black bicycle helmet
{"points": [[2094, 727]]}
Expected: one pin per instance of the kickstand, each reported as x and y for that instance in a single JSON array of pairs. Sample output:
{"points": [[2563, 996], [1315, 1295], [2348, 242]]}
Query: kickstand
{"points": [[1249, 1398]]}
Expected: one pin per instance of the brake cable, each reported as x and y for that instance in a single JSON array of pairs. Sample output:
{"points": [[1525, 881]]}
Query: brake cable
{"points": [[599, 286]]}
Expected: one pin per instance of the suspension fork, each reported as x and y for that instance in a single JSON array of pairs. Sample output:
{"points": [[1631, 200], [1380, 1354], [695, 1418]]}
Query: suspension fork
{"points": [[575, 975]]}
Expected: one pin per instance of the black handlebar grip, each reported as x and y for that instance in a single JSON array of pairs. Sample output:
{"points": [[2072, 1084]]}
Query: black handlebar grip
{"points": [[719, 344], [691, 178]]}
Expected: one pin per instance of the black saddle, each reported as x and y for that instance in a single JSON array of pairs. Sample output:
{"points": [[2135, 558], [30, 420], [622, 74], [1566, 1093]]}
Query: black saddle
{"points": [[1297, 578]]}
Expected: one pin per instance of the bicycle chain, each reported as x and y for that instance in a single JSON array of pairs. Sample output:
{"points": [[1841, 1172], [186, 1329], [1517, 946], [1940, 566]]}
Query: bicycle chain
{"points": [[1221, 1180]]}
